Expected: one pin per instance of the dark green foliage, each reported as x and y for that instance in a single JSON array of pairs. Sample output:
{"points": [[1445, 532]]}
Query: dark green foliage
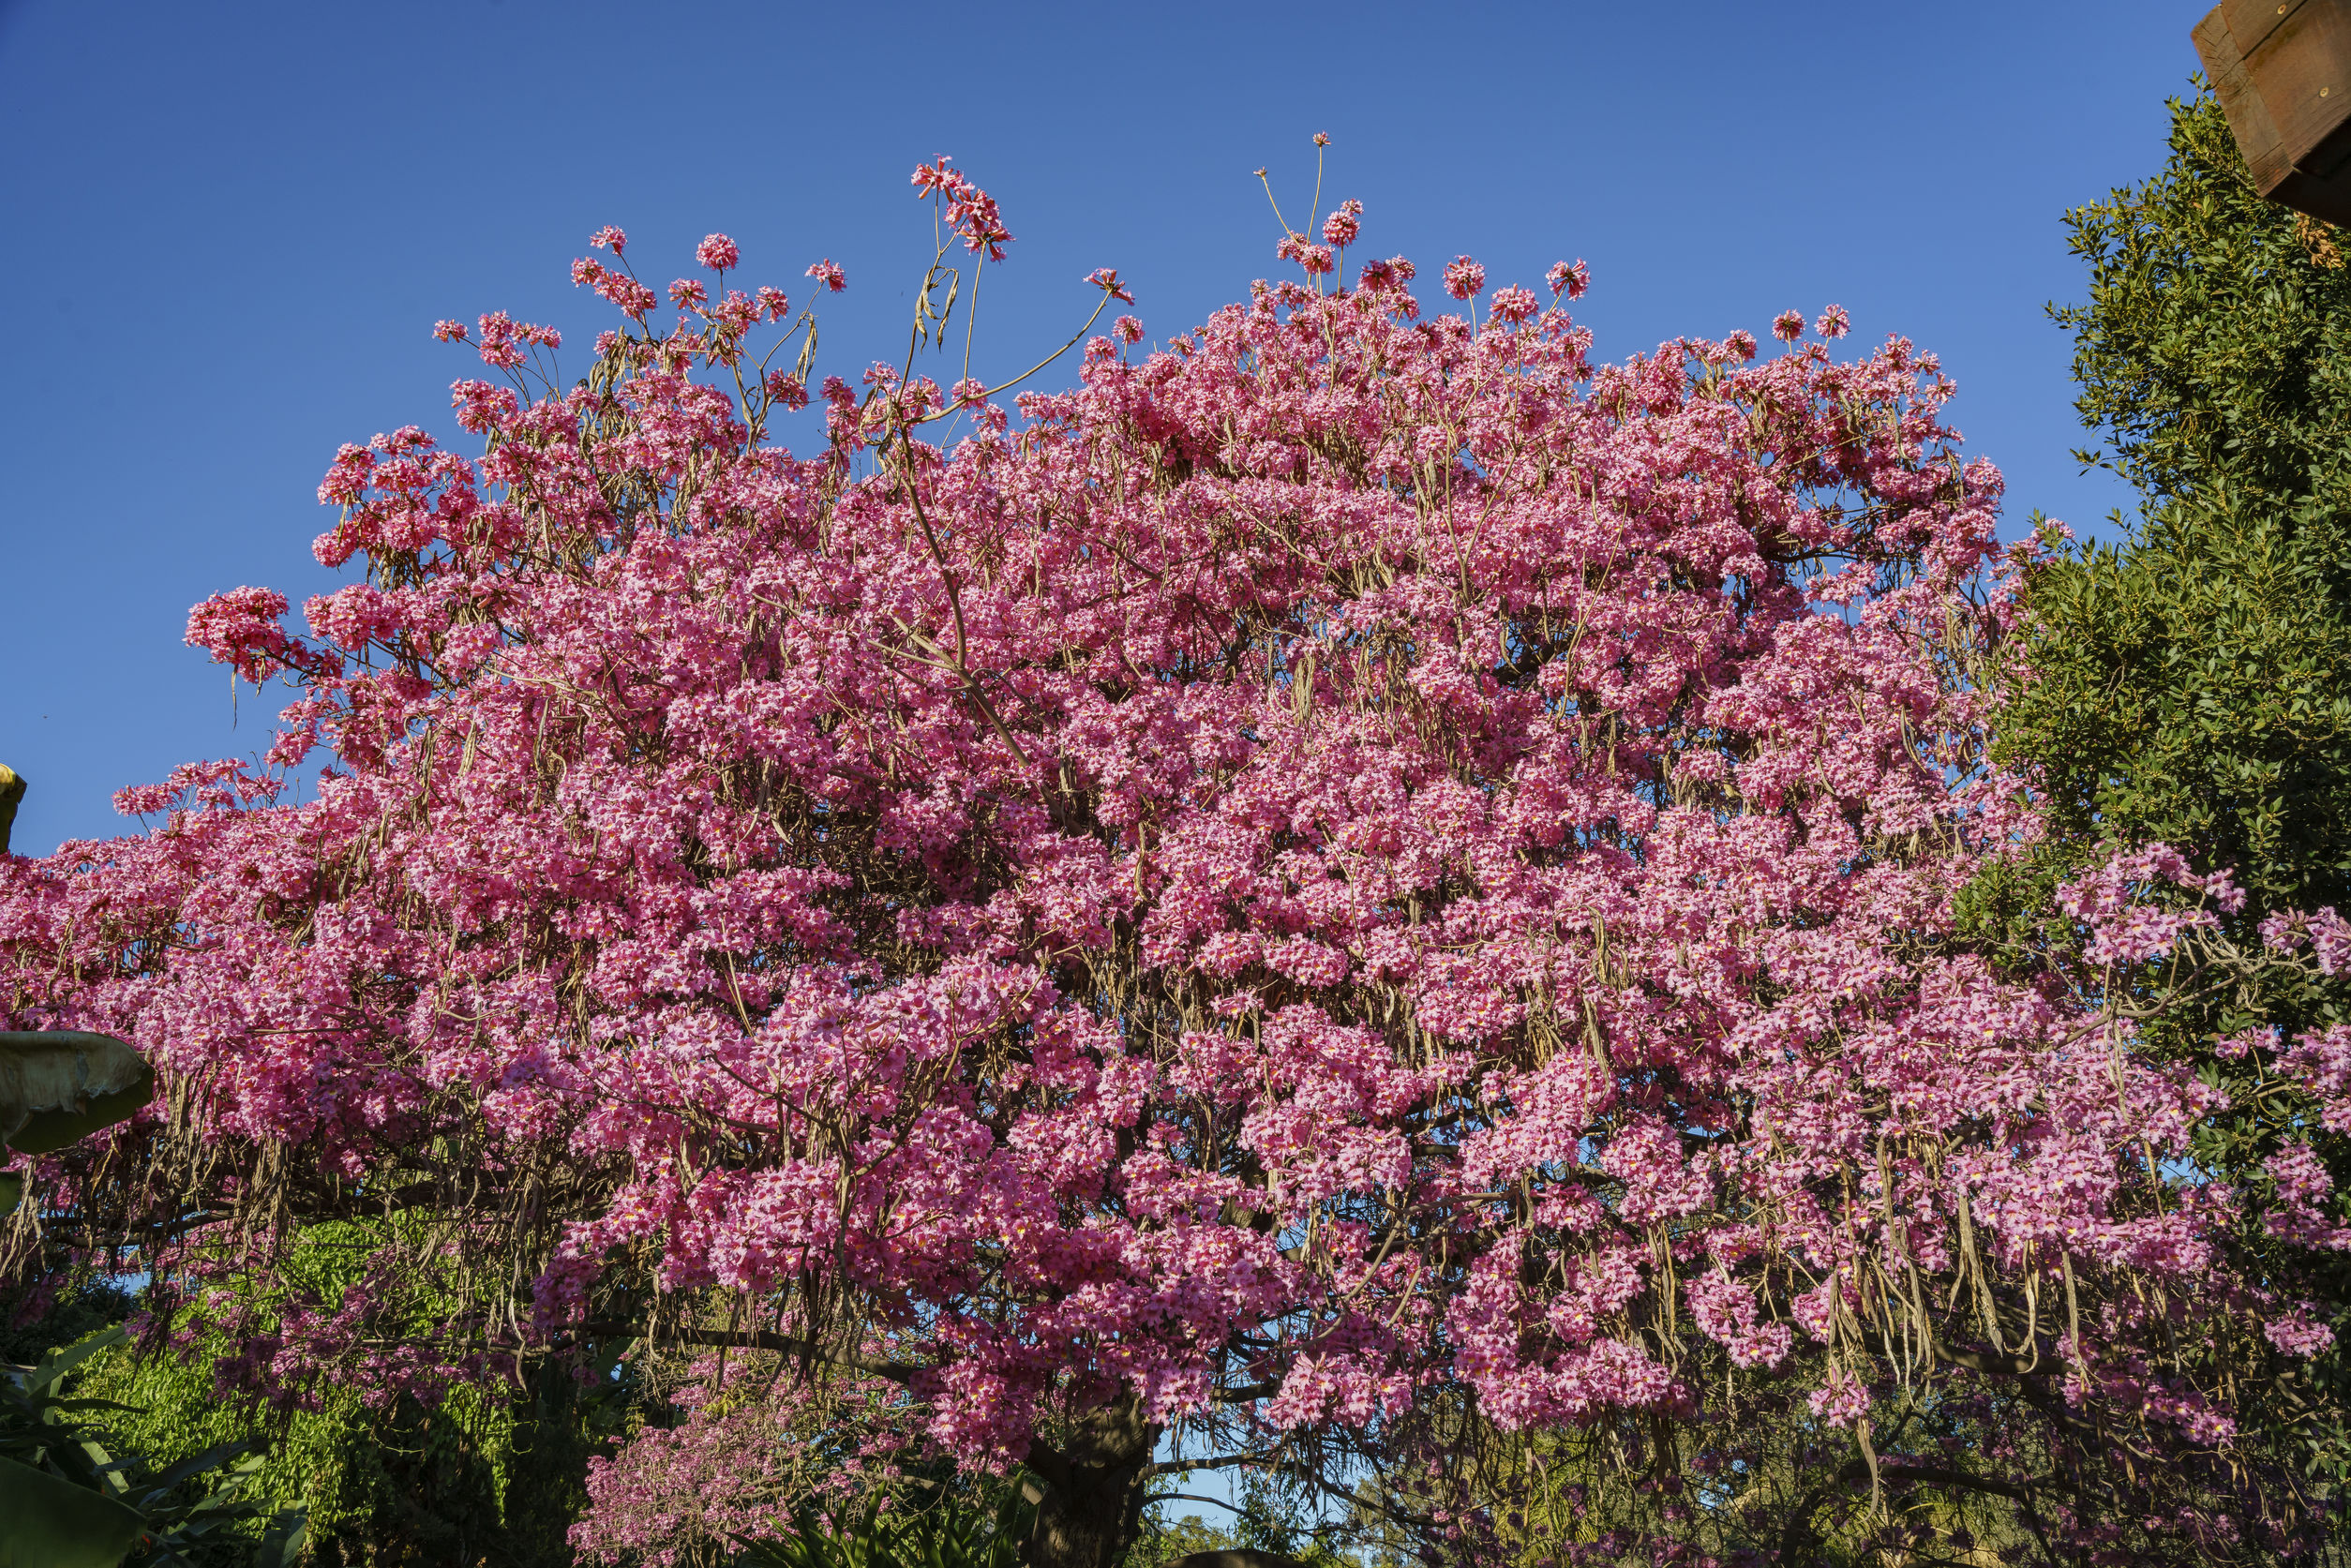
{"points": [[494, 1473], [961, 1527], [78, 1499], [2192, 683], [31, 1326], [940, 1519], [1279, 1519]]}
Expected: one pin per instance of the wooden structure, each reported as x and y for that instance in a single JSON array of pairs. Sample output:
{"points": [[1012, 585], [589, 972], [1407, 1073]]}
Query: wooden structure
{"points": [[2283, 72]]}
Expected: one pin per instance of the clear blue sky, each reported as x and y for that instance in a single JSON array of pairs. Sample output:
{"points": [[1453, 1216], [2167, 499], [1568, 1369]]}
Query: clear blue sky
{"points": [[228, 228]]}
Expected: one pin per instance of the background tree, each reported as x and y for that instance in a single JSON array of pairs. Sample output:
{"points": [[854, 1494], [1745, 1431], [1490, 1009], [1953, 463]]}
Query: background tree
{"points": [[2190, 682], [2195, 680]]}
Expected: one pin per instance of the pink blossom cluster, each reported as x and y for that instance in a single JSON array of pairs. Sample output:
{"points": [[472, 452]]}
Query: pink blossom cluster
{"points": [[712, 1478], [2124, 926], [969, 210], [2325, 933]]}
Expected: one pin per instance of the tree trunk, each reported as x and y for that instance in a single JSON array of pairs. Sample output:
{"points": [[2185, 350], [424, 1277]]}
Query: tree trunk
{"points": [[1093, 1501]]}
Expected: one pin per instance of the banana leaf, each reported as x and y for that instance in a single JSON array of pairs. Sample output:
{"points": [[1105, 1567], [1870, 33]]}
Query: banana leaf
{"points": [[58, 1086], [51, 1523]]}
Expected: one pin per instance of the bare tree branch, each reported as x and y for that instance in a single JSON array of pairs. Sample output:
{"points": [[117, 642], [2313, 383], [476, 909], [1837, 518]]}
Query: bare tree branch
{"points": [[761, 1339]]}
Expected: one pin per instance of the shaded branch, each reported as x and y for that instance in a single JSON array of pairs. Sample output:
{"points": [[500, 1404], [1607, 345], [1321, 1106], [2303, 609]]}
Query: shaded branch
{"points": [[1178, 1467], [761, 1339], [1932, 1475]]}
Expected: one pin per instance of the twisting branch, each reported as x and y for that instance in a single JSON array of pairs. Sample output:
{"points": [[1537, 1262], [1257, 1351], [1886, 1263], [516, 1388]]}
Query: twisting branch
{"points": [[759, 1339]]}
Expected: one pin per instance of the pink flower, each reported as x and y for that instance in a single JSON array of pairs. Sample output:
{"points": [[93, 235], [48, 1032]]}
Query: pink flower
{"points": [[2319, 1062], [827, 272], [1834, 323], [717, 252], [1841, 1400], [347, 481], [2283, 931], [240, 629], [2304, 1193], [2125, 926], [632, 297], [969, 210], [449, 332], [735, 313], [1513, 304], [1106, 279], [1569, 280], [610, 238], [2330, 938], [939, 179], [1128, 329], [974, 215], [2297, 1335], [501, 336], [787, 389], [1463, 277], [1340, 227], [1788, 325], [2231, 1047]]}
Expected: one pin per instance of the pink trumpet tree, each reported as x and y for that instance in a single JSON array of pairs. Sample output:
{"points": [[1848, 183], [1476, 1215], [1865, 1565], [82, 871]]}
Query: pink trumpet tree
{"points": [[1348, 882]]}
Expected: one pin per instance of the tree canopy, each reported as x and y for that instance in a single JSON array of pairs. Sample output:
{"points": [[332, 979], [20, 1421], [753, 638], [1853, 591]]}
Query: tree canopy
{"points": [[1353, 884], [2193, 681]]}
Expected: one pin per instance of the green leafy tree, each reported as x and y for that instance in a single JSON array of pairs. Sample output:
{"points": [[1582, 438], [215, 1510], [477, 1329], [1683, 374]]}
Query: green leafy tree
{"points": [[940, 1524], [491, 1474], [2194, 681], [2191, 682]]}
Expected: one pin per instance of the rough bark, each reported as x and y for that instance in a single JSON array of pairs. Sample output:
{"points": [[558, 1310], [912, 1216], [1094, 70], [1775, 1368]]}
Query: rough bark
{"points": [[1094, 1488]]}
